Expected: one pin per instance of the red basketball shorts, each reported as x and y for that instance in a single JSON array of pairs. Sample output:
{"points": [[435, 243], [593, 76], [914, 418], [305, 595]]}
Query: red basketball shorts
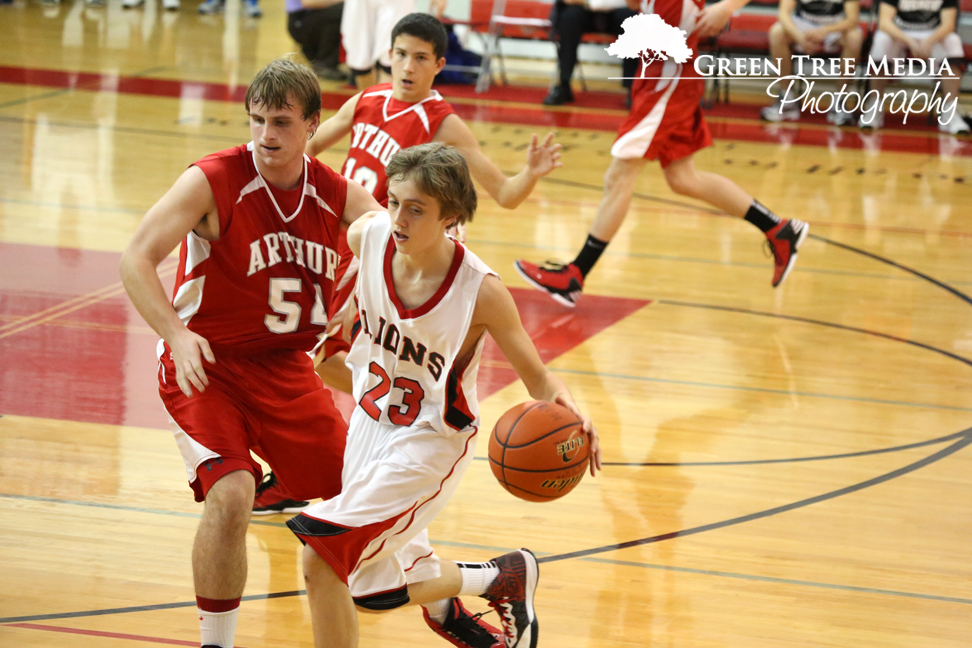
{"points": [[273, 405], [665, 122]]}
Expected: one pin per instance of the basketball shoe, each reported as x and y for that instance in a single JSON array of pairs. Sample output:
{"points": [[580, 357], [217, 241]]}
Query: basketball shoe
{"points": [[784, 241], [465, 630], [511, 595], [272, 498], [562, 282]]}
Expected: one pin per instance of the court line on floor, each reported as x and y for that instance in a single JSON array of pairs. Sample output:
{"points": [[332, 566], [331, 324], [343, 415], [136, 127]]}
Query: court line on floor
{"points": [[810, 320], [964, 441], [74, 304], [108, 635], [92, 85]]}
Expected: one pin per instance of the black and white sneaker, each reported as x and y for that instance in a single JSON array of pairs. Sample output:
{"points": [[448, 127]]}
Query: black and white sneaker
{"points": [[511, 595], [464, 629]]}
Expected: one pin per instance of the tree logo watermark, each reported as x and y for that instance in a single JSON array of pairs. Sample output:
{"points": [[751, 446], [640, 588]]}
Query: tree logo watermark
{"points": [[649, 38]]}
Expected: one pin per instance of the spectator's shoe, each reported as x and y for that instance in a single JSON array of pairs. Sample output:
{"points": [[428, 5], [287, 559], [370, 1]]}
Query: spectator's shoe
{"points": [[171, 5], [955, 126], [784, 241], [559, 95], [840, 117], [252, 8], [211, 7], [778, 112], [272, 498], [328, 73], [131, 4], [875, 123], [562, 282], [465, 630], [94, 4], [511, 595]]}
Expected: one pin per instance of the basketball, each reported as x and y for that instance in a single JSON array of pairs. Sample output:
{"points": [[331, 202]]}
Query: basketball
{"points": [[538, 451]]}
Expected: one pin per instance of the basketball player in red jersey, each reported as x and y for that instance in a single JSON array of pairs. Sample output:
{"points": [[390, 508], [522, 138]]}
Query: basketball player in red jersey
{"points": [[666, 124], [424, 304], [259, 228]]}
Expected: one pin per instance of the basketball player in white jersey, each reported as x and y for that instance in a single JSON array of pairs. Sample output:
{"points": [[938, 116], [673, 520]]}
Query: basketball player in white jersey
{"points": [[425, 304]]}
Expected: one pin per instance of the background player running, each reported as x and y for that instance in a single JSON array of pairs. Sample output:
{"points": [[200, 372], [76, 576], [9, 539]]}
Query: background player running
{"points": [[666, 124]]}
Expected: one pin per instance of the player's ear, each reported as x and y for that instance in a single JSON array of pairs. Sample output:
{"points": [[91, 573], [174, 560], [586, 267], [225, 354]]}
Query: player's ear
{"points": [[439, 64]]}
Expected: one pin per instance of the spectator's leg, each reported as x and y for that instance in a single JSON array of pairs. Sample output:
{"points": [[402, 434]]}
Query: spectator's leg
{"points": [[328, 50]]}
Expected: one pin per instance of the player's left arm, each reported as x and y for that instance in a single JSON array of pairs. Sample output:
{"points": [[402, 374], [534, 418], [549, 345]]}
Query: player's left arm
{"points": [[507, 191], [359, 202], [496, 310]]}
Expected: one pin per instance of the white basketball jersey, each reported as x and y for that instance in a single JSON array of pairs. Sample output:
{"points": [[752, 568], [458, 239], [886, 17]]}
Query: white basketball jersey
{"points": [[403, 360]]}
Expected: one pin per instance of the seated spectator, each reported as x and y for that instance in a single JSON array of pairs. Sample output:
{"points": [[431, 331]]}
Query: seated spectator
{"points": [[571, 20], [316, 26], [926, 30], [814, 27]]}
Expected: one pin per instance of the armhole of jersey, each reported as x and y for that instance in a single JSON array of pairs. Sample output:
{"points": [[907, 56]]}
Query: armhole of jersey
{"points": [[365, 232], [223, 212]]}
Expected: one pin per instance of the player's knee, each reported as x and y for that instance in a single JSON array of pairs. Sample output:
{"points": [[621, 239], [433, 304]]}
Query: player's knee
{"points": [[230, 500], [682, 183], [854, 38], [777, 34], [621, 173]]}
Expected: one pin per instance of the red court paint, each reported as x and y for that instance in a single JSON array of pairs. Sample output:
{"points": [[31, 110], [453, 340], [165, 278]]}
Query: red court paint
{"points": [[98, 633], [521, 105], [97, 364]]}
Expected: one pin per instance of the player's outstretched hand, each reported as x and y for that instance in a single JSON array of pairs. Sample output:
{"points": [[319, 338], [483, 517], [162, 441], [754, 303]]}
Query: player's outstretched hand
{"points": [[589, 430], [543, 158], [713, 18], [188, 352]]}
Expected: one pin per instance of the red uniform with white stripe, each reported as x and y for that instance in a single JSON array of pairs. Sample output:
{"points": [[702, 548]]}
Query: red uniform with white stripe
{"points": [[666, 122], [413, 434], [258, 295], [381, 126]]}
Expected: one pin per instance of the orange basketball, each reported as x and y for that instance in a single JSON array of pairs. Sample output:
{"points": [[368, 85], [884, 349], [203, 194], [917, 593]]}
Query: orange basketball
{"points": [[538, 451]]}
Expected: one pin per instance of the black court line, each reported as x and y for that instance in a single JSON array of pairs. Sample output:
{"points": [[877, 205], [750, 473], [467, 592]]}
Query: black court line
{"points": [[965, 440], [809, 320], [140, 608], [941, 284], [754, 462]]}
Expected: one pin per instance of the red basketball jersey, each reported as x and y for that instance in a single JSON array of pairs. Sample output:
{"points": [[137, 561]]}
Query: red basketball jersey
{"points": [[264, 283], [383, 125]]}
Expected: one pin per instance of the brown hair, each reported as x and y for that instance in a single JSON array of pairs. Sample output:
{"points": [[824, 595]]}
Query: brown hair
{"points": [[281, 82], [441, 172]]}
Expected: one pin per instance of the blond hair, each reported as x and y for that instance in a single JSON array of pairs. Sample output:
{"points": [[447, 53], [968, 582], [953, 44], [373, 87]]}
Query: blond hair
{"points": [[441, 172], [281, 82]]}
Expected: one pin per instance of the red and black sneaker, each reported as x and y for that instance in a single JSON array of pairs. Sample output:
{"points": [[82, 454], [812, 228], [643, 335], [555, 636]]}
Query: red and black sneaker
{"points": [[272, 498], [562, 282], [784, 241], [464, 629], [511, 595]]}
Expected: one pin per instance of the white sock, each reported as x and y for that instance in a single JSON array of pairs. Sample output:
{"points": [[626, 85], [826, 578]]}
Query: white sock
{"points": [[477, 577], [218, 628], [439, 610]]}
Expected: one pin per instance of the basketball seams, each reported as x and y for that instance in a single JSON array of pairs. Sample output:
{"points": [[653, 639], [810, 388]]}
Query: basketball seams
{"points": [[547, 470], [519, 418], [539, 438]]}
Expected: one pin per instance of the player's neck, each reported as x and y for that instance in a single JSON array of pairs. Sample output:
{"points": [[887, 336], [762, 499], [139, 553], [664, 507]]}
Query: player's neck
{"points": [[434, 260], [412, 97], [282, 177]]}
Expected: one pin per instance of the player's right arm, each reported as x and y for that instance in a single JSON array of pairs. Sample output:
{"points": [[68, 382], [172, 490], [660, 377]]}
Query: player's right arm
{"points": [[356, 230], [188, 206], [496, 312], [333, 129]]}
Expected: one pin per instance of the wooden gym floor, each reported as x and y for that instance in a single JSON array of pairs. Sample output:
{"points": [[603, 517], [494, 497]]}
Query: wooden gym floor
{"points": [[783, 467]]}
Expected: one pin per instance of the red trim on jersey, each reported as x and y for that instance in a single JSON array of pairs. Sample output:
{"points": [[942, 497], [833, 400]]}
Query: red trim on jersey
{"points": [[412, 566], [415, 509], [433, 301]]}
